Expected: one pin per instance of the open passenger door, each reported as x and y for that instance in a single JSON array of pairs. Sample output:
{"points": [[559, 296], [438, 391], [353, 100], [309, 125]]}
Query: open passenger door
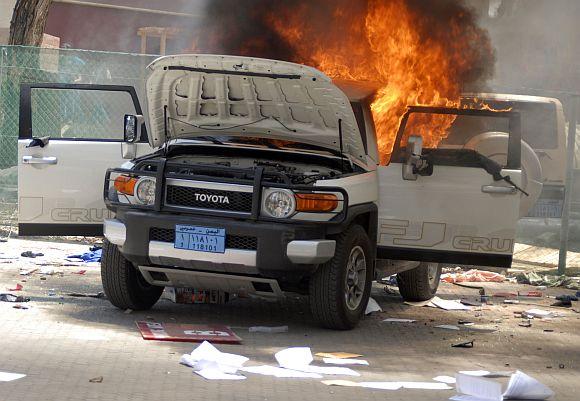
{"points": [[69, 135], [447, 203]]}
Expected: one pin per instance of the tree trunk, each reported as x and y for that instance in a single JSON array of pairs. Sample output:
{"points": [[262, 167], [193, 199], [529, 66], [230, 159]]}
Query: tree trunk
{"points": [[28, 22]]}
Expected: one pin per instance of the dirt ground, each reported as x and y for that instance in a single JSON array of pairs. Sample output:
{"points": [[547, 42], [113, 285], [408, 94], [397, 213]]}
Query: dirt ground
{"points": [[61, 342]]}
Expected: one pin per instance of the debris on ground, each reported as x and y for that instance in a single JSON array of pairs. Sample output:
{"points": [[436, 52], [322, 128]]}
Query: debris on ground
{"points": [[300, 359], [8, 377], [565, 300], [27, 272], [372, 306], [91, 256], [17, 287], [52, 292], [445, 379], [195, 296], [444, 304], [533, 278], [447, 327], [465, 344], [396, 320], [99, 295], [540, 314], [30, 254], [19, 306], [81, 272], [98, 379], [212, 364], [473, 276], [266, 329], [520, 386], [13, 298], [187, 333], [525, 323], [337, 355]]}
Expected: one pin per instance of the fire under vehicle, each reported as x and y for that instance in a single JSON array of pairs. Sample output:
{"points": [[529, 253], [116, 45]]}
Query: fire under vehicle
{"points": [[263, 177]]}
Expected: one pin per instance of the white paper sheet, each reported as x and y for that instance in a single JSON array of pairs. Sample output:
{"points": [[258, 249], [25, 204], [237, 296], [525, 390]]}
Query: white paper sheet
{"points": [[279, 372], [336, 361], [395, 320], [294, 357], [8, 377], [449, 304], [372, 306], [480, 387], [447, 327], [474, 372], [526, 387], [445, 379], [540, 313], [212, 364], [382, 385]]}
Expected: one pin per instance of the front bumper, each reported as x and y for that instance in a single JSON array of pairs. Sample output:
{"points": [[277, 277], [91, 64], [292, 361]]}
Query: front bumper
{"points": [[284, 251]]}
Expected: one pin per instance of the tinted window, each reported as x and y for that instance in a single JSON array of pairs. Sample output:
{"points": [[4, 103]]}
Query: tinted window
{"points": [[357, 108]]}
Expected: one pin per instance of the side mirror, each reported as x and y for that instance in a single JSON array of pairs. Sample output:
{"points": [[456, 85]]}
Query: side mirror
{"points": [[415, 164], [132, 127]]}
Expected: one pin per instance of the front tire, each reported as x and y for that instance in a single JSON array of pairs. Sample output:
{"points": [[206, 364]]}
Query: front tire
{"points": [[340, 288], [123, 283], [420, 283]]}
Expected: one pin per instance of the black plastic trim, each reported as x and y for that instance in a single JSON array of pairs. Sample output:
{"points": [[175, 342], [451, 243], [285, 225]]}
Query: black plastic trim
{"points": [[36, 229], [464, 258]]}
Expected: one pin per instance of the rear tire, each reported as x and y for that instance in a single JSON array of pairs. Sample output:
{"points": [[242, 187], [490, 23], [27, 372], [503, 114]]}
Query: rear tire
{"points": [[340, 288], [421, 283], [123, 283]]}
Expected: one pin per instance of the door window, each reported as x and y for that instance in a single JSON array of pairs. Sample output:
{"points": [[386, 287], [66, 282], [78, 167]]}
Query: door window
{"points": [[79, 114]]}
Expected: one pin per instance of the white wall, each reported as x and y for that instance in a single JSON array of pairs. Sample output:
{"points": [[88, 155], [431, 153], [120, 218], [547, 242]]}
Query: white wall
{"points": [[6, 8]]}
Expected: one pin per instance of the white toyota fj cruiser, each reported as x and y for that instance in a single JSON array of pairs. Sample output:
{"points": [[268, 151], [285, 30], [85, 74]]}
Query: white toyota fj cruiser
{"points": [[260, 176]]}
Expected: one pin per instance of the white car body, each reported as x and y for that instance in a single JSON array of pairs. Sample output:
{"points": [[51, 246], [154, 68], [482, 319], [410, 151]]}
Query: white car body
{"points": [[457, 214]]}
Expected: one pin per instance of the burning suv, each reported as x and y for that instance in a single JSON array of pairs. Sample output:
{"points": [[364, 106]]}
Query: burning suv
{"points": [[263, 177]]}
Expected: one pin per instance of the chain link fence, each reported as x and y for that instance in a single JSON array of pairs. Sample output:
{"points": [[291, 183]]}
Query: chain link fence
{"points": [[20, 64]]}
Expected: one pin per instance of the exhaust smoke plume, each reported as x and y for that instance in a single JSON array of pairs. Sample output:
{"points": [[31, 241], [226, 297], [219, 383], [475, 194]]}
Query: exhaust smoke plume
{"points": [[418, 52]]}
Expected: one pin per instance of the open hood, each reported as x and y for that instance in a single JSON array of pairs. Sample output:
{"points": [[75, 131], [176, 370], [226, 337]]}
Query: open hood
{"points": [[203, 95]]}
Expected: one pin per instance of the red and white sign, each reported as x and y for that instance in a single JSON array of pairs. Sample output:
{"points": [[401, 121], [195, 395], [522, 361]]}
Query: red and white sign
{"points": [[188, 333]]}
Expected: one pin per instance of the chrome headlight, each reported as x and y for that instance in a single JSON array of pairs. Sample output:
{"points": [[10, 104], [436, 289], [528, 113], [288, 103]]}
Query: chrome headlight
{"points": [[145, 191], [279, 203]]}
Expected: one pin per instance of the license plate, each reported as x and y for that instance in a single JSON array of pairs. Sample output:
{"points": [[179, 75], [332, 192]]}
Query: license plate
{"points": [[202, 239]]}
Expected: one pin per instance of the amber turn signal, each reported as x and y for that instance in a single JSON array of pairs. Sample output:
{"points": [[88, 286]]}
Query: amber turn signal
{"points": [[125, 184], [322, 203]]}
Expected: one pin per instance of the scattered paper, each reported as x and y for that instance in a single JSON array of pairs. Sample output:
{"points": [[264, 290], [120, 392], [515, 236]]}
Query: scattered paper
{"points": [[395, 320], [212, 364], [449, 304], [447, 327], [291, 358], [540, 313], [17, 287], [337, 355], [445, 304], [344, 361], [279, 372], [299, 358], [372, 306], [271, 330], [426, 386], [382, 385], [520, 386], [8, 377], [445, 379]]}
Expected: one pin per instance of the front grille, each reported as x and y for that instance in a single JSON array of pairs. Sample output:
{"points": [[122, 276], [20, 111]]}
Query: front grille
{"points": [[232, 241], [202, 199]]}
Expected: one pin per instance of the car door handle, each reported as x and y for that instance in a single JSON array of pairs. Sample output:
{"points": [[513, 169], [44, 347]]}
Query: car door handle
{"points": [[494, 189], [39, 160]]}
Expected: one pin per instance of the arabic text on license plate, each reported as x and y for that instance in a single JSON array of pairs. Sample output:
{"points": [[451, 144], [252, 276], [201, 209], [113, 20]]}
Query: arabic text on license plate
{"points": [[202, 239]]}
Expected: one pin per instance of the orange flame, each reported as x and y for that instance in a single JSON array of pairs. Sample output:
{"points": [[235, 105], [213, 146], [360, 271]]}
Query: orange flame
{"points": [[412, 59]]}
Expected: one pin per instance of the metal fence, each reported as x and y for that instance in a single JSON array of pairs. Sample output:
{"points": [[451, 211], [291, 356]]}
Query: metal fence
{"points": [[20, 64]]}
